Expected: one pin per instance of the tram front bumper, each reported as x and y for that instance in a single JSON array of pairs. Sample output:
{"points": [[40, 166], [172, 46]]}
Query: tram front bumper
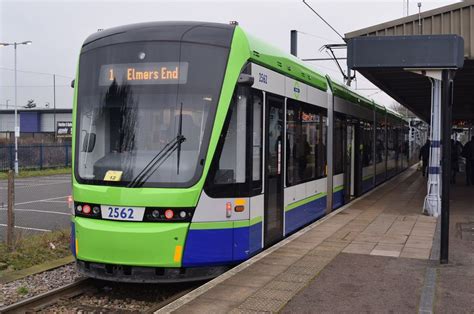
{"points": [[129, 243]]}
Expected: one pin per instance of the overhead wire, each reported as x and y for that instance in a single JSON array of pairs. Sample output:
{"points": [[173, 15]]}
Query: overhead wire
{"points": [[35, 72]]}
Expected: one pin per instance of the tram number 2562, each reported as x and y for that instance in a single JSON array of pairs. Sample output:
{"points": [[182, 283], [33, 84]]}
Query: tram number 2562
{"points": [[117, 212], [262, 78]]}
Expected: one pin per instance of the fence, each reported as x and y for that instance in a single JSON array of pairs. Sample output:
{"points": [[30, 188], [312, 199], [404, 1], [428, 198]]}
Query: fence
{"points": [[38, 156]]}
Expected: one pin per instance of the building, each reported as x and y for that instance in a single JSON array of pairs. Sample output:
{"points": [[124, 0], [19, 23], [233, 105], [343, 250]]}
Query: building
{"points": [[34, 120]]}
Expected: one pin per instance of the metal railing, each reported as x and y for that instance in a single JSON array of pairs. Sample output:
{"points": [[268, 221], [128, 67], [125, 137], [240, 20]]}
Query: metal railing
{"points": [[36, 156]]}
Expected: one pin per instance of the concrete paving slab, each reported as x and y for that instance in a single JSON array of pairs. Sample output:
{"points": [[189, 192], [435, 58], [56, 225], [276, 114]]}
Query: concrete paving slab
{"points": [[261, 305], [359, 248], [248, 280], [393, 239], [419, 242], [392, 250], [230, 293], [203, 305], [274, 294], [261, 268], [419, 253], [285, 285], [368, 238]]}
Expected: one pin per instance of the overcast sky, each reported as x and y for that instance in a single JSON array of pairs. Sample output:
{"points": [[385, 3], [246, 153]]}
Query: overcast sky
{"points": [[58, 28]]}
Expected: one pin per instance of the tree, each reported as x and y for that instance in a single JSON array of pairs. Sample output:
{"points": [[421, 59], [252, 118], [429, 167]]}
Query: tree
{"points": [[395, 106], [30, 104]]}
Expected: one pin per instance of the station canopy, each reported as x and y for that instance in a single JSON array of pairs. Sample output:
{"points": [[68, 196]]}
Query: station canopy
{"points": [[413, 90]]}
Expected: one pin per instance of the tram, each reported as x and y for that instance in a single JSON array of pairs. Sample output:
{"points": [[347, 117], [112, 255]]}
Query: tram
{"points": [[196, 146]]}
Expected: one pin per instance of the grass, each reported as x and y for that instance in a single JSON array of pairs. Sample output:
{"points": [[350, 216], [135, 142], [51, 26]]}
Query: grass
{"points": [[37, 172], [35, 249]]}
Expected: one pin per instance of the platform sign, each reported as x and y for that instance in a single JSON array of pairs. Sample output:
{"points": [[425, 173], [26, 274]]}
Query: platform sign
{"points": [[64, 129]]}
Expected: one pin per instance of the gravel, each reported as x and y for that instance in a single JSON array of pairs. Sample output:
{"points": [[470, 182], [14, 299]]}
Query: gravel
{"points": [[30, 286], [120, 297], [103, 295]]}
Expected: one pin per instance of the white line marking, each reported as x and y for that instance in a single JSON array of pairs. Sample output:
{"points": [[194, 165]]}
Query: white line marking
{"points": [[46, 199], [28, 228], [37, 211], [38, 185], [54, 201]]}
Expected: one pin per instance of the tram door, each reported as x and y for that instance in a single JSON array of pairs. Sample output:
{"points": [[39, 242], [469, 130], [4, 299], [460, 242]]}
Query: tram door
{"points": [[349, 160], [273, 216]]}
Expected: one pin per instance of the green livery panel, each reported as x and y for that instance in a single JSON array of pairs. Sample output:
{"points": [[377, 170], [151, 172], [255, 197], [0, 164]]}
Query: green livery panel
{"points": [[130, 243]]}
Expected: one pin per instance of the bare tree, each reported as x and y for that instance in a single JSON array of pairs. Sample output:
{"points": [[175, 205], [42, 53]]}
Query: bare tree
{"points": [[30, 104], [398, 108]]}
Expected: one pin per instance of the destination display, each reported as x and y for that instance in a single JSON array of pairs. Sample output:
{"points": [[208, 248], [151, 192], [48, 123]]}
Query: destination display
{"points": [[144, 73]]}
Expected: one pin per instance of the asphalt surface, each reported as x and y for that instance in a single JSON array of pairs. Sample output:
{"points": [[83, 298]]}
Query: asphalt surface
{"points": [[354, 283], [41, 204]]}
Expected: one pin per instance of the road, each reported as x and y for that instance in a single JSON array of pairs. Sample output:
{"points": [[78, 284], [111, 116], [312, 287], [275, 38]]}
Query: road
{"points": [[41, 204]]}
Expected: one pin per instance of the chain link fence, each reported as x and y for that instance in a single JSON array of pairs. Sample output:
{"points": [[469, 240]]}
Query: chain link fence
{"points": [[36, 156]]}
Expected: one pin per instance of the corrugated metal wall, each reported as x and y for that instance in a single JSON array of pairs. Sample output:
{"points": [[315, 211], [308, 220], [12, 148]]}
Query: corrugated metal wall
{"points": [[453, 19], [7, 122], [47, 120]]}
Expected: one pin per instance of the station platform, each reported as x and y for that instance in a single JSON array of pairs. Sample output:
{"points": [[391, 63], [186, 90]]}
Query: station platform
{"points": [[376, 254]]}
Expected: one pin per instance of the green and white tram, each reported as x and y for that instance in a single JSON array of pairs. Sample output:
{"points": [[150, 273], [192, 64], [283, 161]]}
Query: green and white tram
{"points": [[197, 146]]}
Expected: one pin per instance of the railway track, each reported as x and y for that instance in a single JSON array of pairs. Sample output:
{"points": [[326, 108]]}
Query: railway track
{"points": [[41, 301], [77, 297]]}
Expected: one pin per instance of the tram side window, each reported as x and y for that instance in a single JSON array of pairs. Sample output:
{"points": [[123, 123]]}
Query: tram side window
{"points": [[231, 165], [338, 145], [323, 152], [367, 157], [302, 143], [380, 140], [237, 165], [257, 141]]}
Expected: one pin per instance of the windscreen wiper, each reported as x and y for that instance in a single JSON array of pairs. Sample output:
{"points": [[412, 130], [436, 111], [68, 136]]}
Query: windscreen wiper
{"points": [[180, 134], [157, 161]]}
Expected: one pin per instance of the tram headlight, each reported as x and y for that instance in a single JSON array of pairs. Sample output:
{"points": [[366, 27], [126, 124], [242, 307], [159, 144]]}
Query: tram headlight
{"points": [[96, 210], [155, 213], [79, 208], [182, 214]]}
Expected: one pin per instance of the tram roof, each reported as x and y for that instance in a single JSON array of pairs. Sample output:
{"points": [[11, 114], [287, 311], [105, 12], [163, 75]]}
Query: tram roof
{"points": [[260, 52], [283, 62]]}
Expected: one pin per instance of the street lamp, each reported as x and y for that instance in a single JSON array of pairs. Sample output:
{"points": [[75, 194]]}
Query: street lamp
{"points": [[17, 129]]}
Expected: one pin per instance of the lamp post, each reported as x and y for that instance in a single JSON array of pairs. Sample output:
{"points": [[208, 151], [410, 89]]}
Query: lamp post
{"points": [[7, 102], [17, 129]]}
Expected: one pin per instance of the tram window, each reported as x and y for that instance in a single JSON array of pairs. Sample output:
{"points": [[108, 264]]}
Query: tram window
{"points": [[367, 152], [338, 145], [257, 140], [323, 152], [302, 143], [231, 166], [237, 166], [380, 140]]}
